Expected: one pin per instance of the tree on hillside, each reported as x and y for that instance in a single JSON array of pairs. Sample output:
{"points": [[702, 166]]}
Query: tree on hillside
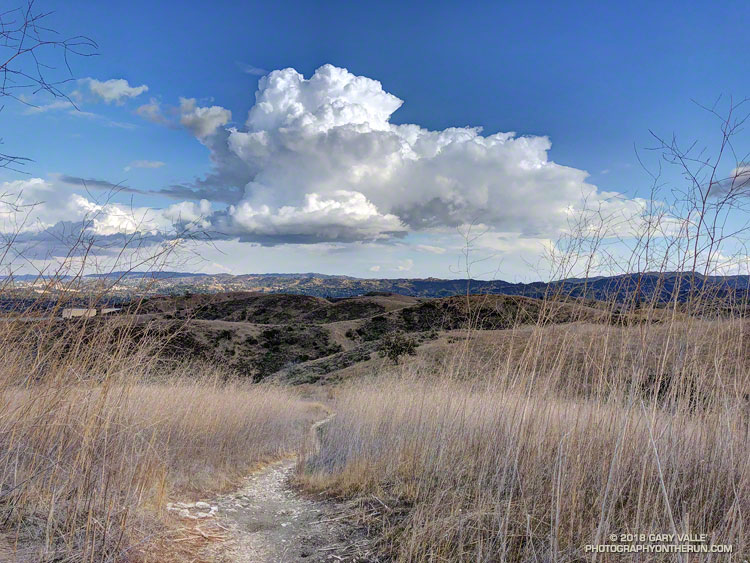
{"points": [[395, 345]]}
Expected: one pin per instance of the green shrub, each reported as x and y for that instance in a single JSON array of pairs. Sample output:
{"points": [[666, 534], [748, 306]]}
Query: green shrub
{"points": [[395, 345]]}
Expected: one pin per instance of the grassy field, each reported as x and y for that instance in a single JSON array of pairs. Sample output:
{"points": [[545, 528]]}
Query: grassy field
{"points": [[95, 438], [558, 428], [529, 444]]}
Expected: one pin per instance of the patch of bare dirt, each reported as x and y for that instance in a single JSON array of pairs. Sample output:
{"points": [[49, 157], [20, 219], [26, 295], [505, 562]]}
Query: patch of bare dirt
{"points": [[267, 520]]}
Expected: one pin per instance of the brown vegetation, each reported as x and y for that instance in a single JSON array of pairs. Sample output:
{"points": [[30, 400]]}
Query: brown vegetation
{"points": [[95, 438], [530, 444]]}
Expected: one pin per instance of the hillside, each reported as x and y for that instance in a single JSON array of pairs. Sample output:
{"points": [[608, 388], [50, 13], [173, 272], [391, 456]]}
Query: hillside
{"points": [[304, 338]]}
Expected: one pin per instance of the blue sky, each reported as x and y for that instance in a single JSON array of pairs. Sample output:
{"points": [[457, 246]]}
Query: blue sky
{"points": [[591, 77]]}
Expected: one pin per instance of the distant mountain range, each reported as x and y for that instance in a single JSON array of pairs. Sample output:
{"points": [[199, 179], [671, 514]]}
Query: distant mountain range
{"points": [[620, 288]]}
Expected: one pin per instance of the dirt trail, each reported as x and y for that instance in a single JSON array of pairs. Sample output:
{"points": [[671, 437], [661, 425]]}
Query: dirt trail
{"points": [[269, 522]]}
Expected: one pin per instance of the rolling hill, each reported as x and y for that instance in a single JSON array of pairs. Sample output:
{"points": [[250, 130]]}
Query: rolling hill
{"points": [[303, 338]]}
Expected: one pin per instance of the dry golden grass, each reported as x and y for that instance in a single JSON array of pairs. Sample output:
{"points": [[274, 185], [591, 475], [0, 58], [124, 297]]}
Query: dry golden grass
{"points": [[527, 445], [703, 358], [95, 437]]}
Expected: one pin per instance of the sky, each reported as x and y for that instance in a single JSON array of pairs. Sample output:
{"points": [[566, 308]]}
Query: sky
{"points": [[363, 139]]}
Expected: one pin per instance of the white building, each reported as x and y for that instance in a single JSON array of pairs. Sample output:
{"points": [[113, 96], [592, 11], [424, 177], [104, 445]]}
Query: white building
{"points": [[74, 312]]}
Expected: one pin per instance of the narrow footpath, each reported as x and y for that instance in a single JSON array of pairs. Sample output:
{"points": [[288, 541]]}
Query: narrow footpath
{"points": [[268, 521]]}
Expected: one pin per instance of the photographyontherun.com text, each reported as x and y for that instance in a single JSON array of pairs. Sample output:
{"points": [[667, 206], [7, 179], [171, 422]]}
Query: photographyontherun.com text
{"points": [[658, 543]]}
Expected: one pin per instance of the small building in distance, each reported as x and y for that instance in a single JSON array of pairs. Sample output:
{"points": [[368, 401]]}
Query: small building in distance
{"points": [[78, 312], [74, 312]]}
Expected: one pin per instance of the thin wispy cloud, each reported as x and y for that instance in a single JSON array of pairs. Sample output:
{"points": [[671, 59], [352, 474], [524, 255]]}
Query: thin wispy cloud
{"points": [[69, 109], [404, 265], [430, 248], [101, 118], [97, 184], [144, 164], [230, 195], [56, 105], [253, 70]]}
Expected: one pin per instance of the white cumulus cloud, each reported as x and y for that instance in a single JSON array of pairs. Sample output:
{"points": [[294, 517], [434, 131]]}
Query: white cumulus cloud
{"points": [[319, 160], [307, 141], [202, 121], [48, 216], [189, 214], [115, 90], [114, 219], [340, 216]]}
